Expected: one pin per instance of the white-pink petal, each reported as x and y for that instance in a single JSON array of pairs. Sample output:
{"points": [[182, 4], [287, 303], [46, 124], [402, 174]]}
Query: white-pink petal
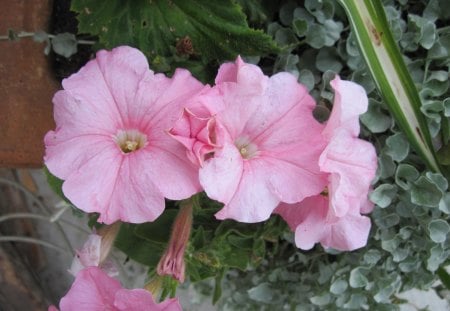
{"points": [[350, 101]]}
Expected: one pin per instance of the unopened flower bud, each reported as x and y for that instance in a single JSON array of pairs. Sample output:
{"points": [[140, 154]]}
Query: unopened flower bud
{"points": [[172, 262]]}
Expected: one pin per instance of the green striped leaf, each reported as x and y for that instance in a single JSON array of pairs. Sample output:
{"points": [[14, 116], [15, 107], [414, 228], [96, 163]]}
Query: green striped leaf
{"points": [[383, 58]]}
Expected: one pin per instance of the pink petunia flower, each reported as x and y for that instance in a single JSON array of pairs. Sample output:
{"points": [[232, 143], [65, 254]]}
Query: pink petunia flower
{"points": [[266, 143], [94, 290], [334, 218], [111, 145]]}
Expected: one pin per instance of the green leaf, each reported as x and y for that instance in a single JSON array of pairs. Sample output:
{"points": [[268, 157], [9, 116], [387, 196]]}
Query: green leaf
{"points": [[300, 27], [328, 59], [438, 229], [306, 77], [425, 192], [321, 300], [437, 257], [40, 36], [372, 256], [286, 38], [55, 184], [398, 147], [338, 287], [286, 12], [379, 49], [218, 29], [444, 277], [357, 277], [376, 119], [146, 242], [137, 248], [405, 174], [320, 9], [383, 195], [444, 204], [64, 44], [261, 293], [218, 287], [356, 302], [258, 11]]}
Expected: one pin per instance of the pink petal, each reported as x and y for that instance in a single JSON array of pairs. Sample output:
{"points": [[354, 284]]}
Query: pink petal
{"points": [[78, 113], [241, 96], [134, 300], [136, 198], [122, 69], [92, 290], [313, 223], [313, 228], [174, 175], [104, 89], [170, 305], [285, 109], [90, 187], [350, 101], [293, 183], [228, 71], [66, 153], [293, 214], [249, 76], [352, 163], [252, 201], [142, 300], [196, 133], [220, 176], [166, 98], [129, 196], [348, 233]]}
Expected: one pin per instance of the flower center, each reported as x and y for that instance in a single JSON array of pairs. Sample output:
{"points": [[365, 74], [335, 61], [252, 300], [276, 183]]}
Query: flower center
{"points": [[246, 148], [130, 140]]}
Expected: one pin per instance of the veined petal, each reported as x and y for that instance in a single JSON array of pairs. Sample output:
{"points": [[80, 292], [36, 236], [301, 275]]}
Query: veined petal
{"points": [[90, 187], [174, 175], [76, 114], [173, 95], [253, 201], [220, 176], [350, 101], [249, 76], [348, 233], [352, 163], [292, 183], [136, 198], [122, 69], [313, 227], [141, 300], [92, 290], [117, 187], [285, 108], [65, 153]]}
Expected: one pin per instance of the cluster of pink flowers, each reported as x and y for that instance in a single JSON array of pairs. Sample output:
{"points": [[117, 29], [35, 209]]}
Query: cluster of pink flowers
{"points": [[126, 138]]}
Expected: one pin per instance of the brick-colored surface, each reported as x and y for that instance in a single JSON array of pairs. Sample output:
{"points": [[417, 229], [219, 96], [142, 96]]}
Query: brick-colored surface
{"points": [[26, 85]]}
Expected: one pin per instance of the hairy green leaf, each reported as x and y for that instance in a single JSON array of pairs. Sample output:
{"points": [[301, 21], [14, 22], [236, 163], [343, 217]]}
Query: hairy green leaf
{"points": [[217, 29]]}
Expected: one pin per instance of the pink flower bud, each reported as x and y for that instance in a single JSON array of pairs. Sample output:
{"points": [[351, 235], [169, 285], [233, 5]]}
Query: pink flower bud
{"points": [[172, 262]]}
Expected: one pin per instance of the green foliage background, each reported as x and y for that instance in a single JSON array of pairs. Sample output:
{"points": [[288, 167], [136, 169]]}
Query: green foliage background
{"points": [[256, 266]]}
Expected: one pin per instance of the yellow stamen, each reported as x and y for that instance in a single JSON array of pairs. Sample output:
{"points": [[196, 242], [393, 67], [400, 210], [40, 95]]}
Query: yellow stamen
{"points": [[131, 145]]}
